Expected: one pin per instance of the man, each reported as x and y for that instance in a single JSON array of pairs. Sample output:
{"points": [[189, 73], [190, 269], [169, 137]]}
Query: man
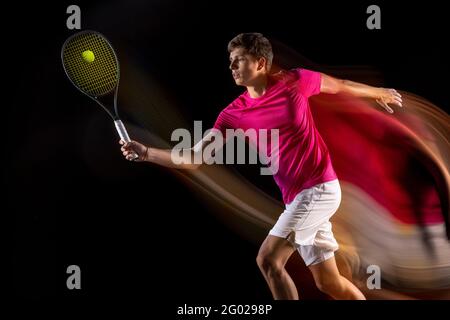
{"points": [[308, 183]]}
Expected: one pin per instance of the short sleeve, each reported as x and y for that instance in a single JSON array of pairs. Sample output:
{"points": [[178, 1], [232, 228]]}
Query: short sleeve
{"points": [[309, 82]]}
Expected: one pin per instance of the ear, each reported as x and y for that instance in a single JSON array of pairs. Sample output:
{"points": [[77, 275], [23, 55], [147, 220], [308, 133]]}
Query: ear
{"points": [[262, 62]]}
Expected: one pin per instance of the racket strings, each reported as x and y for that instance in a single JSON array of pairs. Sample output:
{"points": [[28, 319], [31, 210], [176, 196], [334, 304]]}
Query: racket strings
{"points": [[95, 78]]}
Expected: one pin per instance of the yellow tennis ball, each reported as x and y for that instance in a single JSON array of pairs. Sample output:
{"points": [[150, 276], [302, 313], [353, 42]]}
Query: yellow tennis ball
{"points": [[88, 56]]}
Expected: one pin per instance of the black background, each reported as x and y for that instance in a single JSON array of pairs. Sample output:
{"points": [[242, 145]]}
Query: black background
{"points": [[148, 238]]}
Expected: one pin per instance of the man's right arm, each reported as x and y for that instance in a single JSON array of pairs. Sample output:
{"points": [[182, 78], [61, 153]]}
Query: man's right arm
{"points": [[165, 157], [171, 158]]}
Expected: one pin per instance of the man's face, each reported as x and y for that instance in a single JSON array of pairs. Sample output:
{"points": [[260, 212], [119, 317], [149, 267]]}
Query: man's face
{"points": [[244, 67]]}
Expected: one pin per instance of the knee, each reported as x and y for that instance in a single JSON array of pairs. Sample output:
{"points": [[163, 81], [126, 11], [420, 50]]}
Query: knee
{"points": [[269, 265]]}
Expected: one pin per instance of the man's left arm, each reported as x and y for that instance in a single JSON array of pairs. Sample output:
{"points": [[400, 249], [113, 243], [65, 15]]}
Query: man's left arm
{"points": [[382, 96]]}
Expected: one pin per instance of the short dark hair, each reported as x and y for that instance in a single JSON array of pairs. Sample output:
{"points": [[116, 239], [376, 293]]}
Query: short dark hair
{"points": [[255, 44]]}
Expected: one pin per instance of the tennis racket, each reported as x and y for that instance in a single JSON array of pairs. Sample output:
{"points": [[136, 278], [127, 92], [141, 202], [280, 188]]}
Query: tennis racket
{"points": [[92, 66]]}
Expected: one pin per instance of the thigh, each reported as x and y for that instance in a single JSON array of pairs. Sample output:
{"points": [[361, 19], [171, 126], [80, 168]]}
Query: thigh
{"points": [[324, 270], [276, 248]]}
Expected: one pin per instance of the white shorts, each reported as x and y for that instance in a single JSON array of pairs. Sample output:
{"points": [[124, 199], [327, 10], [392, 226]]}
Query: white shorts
{"points": [[306, 222]]}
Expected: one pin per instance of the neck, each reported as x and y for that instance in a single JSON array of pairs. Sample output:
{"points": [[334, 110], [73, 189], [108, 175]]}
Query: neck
{"points": [[259, 87]]}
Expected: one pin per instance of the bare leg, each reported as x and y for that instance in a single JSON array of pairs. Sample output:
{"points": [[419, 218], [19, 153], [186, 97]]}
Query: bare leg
{"points": [[328, 280], [272, 257]]}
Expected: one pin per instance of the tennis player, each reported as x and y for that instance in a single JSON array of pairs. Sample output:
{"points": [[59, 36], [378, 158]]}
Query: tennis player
{"points": [[308, 182]]}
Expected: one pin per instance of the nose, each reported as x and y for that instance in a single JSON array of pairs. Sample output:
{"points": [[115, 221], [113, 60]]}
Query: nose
{"points": [[233, 65]]}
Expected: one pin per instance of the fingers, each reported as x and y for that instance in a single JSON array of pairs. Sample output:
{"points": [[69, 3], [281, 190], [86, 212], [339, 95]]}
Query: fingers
{"points": [[125, 144], [391, 96], [396, 98], [395, 92], [131, 157], [127, 153], [397, 101], [125, 148], [385, 105]]}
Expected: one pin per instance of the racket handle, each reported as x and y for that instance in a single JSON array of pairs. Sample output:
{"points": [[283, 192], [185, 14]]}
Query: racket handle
{"points": [[123, 134], [122, 131]]}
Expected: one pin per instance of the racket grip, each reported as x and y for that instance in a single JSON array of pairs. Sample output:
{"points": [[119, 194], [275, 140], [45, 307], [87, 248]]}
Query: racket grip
{"points": [[122, 131], [123, 134]]}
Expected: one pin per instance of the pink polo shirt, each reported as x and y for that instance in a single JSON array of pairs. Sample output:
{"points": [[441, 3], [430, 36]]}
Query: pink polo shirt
{"points": [[304, 160]]}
